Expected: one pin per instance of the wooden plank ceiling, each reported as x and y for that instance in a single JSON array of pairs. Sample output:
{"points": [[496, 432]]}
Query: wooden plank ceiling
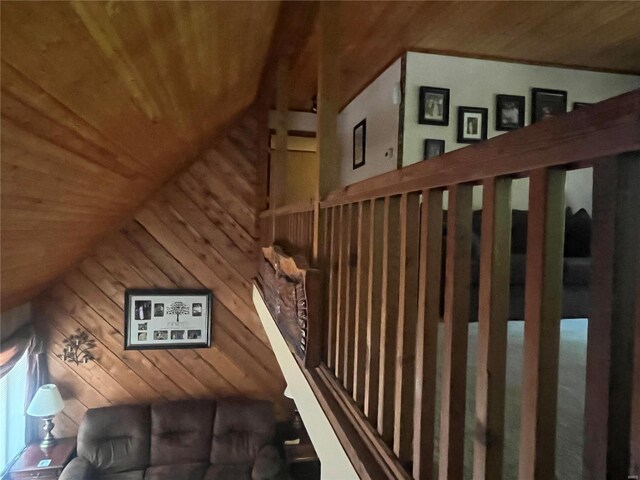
{"points": [[102, 102], [595, 35], [197, 231]]}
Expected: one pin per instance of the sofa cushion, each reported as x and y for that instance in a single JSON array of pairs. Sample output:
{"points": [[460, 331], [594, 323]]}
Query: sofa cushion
{"points": [[115, 439], [181, 432], [133, 475], [577, 235], [228, 472], [186, 471], [576, 271], [240, 429]]}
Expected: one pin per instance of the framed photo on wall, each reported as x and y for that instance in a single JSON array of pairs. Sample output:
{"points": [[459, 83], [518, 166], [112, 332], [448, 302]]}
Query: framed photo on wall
{"points": [[472, 124], [434, 106], [359, 144], [433, 148], [547, 103], [509, 112], [163, 319]]}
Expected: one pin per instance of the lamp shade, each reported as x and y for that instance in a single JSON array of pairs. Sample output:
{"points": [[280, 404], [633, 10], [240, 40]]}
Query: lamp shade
{"points": [[46, 402]]}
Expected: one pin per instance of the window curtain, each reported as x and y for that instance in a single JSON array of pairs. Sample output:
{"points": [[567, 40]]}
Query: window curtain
{"points": [[37, 375], [26, 340]]}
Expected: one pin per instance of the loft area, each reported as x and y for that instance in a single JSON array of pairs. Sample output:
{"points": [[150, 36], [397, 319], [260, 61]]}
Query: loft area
{"points": [[360, 252]]}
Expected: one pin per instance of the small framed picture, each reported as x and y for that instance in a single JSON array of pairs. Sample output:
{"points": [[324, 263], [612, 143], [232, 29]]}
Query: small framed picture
{"points": [[472, 124], [577, 105], [509, 112], [164, 319], [434, 106], [433, 148], [359, 144], [547, 103]]}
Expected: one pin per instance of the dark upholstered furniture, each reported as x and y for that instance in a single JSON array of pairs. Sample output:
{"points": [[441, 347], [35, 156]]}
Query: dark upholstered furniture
{"points": [[576, 264], [184, 440]]}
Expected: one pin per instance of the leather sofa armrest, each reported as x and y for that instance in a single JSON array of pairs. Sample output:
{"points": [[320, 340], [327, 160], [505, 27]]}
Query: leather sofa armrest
{"points": [[268, 465], [78, 469]]}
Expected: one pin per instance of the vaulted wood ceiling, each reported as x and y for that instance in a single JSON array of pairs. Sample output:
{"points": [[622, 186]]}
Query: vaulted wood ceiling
{"points": [[103, 102]]}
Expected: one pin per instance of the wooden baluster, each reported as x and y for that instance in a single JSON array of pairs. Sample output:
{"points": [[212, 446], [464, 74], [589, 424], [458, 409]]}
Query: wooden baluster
{"points": [[493, 314], [362, 293], [615, 304], [343, 289], [389, 318], [406, 328], [634, 443], [456, 322], [430, 264], [332, 293], [349, 321], [374, 310], [543, 308]]}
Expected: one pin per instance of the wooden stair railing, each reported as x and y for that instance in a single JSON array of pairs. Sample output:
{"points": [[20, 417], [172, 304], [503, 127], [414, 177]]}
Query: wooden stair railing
{"points": [[380, 245]]}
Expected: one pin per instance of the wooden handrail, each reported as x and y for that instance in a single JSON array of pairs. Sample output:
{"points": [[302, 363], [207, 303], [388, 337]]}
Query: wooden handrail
{"points": [[288, 209], [599, 131]]}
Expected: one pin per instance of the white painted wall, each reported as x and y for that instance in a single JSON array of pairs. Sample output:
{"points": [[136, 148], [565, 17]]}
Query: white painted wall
{"points": [[375, 104], [334, 462], [475, 83]]}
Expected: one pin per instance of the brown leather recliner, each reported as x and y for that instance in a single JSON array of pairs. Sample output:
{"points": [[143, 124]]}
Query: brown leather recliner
{"points": [[183, 440]]}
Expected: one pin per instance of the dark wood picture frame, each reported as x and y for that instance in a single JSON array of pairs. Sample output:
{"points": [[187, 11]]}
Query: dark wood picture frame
{"points": [[424, 116], [501, 102], [432, 142], [360, 130], [464, 137], [153, 310], [536, 103]]}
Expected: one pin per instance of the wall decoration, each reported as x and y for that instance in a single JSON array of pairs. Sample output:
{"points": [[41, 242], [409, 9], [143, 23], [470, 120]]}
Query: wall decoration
{"points": [[161, 319], [433, 148], [77, 348], [472, 124], [547, 103], [509, 112], [577, 105], [359, 144], [434, 106]]}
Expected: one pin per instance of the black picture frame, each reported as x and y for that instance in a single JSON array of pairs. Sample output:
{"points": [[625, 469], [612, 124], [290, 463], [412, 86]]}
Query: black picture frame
{"points": [[437, 110], [149, 323], [471, 132], [509, 112], [577, 105], [433, 148], [547, 103], [360, 144]]}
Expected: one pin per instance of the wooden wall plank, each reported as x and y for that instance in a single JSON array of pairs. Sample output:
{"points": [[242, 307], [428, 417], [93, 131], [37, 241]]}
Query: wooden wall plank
{"points": [[456, 321], [430, 269], [543, 304], [185, 237], [493, 315]]}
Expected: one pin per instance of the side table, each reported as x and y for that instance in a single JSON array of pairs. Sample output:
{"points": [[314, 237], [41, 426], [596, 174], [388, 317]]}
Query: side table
{"points": [[26, 466]]}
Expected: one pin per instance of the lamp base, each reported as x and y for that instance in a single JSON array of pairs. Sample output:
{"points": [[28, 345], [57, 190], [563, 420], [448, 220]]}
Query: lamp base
{"points": [[49, 440]]}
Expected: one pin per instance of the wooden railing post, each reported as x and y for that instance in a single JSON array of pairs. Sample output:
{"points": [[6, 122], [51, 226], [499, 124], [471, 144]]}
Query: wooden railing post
{"points": [[427, 332], [543, 304], [456, 326], [610, 349], [362, 294], [493, 314]]}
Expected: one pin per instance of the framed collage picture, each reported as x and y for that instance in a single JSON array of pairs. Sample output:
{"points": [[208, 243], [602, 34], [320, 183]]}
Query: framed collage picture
{"points": [[163, 319]]}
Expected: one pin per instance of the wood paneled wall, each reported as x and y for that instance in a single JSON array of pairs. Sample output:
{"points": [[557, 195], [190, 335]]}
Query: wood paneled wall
{"points": [[198, 231]]}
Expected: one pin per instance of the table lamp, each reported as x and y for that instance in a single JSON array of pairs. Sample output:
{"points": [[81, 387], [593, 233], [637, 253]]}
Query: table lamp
{"points": [[46, 403]]}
